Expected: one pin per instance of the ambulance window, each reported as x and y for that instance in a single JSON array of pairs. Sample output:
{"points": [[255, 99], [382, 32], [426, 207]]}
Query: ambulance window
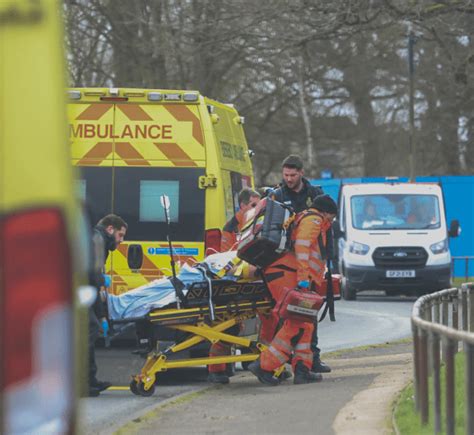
{"points": [[81, 190], [236, 182], [150, 203], [137, 192], [95, 188]]}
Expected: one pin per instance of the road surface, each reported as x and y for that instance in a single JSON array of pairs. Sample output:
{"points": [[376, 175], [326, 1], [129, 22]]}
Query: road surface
{"points": [[374, 318]]}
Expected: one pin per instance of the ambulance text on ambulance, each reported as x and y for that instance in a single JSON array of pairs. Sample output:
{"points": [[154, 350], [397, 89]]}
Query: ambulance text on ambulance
{"points": [[106, 131]]}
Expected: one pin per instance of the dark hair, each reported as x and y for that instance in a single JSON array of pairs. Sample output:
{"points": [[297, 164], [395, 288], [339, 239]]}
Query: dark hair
{"points": [[293, 162], [245, 194], [325, 204], [112, 219]]}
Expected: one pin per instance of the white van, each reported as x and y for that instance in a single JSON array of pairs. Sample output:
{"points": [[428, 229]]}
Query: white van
{"points": [[393, 237]]}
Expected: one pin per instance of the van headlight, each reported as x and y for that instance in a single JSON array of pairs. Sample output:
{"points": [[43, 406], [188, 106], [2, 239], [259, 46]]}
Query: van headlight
{"points": [[358, 248], [440, 247]]}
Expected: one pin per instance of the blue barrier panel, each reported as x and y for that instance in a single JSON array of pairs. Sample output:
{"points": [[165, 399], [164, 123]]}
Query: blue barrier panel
{"points": [[458, 194], [459, 197], [331, 187]]}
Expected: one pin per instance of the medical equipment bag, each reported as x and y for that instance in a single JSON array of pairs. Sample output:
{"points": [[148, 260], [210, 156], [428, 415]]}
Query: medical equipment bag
{"points": [[266, 237]]}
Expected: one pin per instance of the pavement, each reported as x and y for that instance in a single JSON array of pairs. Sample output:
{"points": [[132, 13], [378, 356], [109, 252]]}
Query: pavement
{"points": [[373, 319], [356, 398]]}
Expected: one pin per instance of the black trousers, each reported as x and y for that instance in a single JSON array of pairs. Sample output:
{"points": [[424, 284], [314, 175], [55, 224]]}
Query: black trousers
{"points": [[314, 345], [94, 331]]}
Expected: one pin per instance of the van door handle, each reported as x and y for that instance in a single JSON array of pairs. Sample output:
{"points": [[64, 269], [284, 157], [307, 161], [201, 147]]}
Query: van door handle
{"points": [[135, 256]]}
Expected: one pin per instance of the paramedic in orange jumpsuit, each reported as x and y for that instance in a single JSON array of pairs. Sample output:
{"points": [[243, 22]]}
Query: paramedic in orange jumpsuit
{"points": [[303, 267], [248, 199], [297, 191]]}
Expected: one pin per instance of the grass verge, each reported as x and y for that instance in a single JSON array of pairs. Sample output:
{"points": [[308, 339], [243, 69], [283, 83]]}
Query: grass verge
{"points": [[408, 420]]}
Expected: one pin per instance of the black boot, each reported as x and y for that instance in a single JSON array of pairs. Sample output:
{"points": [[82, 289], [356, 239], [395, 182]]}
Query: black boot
{"points": [[320, 367], [93, 392], [101, 385], [285, 374], [263, 376], [304, 376], [218, 378]]}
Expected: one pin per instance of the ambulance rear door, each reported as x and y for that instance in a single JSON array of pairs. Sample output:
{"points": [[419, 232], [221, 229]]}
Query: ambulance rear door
{"points": [[159, 149], [91, 123]]}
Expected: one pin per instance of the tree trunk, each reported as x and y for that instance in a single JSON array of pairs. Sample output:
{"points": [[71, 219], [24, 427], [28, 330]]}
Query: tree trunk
{"points": [[311, 166]]}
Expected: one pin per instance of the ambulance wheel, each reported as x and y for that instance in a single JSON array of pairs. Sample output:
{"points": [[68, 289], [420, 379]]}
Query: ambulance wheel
{"points": [[143, 392], [134, 387], [348, 292]]}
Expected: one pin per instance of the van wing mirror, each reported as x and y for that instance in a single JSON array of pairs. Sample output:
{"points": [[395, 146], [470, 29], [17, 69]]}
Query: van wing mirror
{"points": [[454, 228]]}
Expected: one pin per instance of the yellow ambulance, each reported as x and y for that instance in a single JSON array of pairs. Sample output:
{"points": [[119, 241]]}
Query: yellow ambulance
{"points": [[40, 248], [134, 145]]}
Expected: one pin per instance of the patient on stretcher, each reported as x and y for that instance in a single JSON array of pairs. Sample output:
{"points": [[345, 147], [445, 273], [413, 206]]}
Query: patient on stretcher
{"points": [[161, 293]]}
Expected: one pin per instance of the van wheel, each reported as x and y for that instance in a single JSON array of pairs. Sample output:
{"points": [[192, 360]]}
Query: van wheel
{"points": [[348, 292]]}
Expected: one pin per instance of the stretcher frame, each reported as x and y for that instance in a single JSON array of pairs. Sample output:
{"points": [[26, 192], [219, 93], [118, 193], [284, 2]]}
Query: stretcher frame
{"points": [[201, 323]]}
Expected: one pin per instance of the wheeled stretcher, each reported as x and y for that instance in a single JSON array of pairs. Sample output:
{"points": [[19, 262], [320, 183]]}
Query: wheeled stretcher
{"points": [[202, 311], [208, 309]]}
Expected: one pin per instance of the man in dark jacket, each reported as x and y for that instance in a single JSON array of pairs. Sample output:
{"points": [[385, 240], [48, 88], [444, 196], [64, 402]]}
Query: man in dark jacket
{"points": [[295, 190], [107, 235]]}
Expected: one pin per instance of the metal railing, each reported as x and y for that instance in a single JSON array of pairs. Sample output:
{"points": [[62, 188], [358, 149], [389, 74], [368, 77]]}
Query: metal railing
{"points": [[466, 260], [437, 332]]}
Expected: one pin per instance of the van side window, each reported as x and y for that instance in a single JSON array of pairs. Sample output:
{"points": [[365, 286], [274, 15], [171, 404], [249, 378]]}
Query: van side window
{"points": [[150, 202]]}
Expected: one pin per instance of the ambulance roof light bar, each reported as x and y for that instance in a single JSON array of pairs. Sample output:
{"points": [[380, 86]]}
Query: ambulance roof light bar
{"points": [[190, 96], [155, 96], [172, 97], [74, 95]]}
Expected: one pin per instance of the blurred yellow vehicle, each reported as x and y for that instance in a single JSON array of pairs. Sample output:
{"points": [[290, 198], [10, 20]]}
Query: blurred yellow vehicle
{"points": [[134, 145], [38, 226]]}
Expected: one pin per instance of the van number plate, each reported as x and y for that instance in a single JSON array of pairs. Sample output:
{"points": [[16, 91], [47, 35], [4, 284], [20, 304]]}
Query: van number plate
{"points": [[400, 274]]}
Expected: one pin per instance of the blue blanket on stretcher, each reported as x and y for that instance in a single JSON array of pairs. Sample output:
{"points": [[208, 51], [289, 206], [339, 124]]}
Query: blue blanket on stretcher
{"points": [[160, 293]]}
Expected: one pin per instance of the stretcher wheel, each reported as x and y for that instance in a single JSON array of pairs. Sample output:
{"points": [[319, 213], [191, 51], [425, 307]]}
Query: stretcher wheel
{"points": [[143, 392], [134, 387]]}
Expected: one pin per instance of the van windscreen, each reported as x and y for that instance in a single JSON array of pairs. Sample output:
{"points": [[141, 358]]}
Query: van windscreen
{"points": [[395, 212]]}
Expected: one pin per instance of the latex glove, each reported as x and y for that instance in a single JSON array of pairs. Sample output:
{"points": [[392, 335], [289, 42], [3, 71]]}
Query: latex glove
{"points": [[303, 284], [107, 281], [105, 327]]}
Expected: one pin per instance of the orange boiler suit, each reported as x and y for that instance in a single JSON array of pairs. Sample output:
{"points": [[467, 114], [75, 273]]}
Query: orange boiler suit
{"points": [[306, 263]]}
